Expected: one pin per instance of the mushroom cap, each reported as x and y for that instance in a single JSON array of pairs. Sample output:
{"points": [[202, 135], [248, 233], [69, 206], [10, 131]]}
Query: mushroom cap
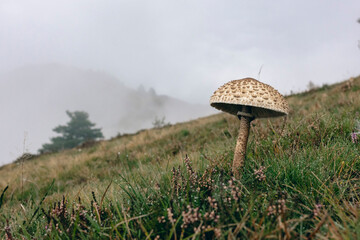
{"points": [[263, 99]]}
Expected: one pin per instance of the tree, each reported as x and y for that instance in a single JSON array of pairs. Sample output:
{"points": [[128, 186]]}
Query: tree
{"points": [[311, 86], [159, 123], [77, 131]]}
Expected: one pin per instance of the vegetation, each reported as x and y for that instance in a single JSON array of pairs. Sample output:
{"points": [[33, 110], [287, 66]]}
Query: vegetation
{"points": [[301, 180], [78, 130], [160, 122]]}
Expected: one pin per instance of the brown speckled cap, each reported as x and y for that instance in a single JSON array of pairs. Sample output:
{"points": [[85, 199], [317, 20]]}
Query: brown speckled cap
{"points": [[263, 99]]}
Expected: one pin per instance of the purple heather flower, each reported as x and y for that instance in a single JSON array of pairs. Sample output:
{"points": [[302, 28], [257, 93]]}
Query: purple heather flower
{"points": [[354, 137]]}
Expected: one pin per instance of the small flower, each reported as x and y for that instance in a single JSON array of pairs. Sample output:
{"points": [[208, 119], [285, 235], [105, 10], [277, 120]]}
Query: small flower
{"points": [[190, 217], [170, 216], [279, 207], [354, 137], [259, 174], [217, 232], [271, 210], [317, 209], [161, 219]]}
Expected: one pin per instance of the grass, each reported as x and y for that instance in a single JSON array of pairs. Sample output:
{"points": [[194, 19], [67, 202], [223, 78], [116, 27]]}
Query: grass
{"points": [[300, 180]]}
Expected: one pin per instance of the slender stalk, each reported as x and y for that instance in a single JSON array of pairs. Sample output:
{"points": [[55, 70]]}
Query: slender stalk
{"points": [[240, 149]]}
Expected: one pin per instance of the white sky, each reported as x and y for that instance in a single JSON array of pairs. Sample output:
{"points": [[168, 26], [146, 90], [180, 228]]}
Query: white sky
{"points": [[187, 48]]}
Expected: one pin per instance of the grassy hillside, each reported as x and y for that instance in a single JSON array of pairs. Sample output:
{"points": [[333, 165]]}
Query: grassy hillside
{"points": [[300, 180]]}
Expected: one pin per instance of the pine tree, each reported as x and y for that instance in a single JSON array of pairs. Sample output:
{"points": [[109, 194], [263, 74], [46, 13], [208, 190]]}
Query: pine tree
{"points": [[77, 131]]}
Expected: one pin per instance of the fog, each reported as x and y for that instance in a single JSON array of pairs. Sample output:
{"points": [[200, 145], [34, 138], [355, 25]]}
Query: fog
{"points": [[87, 55], [38, 96]]}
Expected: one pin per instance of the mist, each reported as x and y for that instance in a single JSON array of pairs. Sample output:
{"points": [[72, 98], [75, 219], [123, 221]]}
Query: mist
{"points": [[36, 97], [94, 56]]}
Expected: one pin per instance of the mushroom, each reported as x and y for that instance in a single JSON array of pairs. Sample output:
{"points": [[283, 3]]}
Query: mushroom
{"points": [[247, 99]]}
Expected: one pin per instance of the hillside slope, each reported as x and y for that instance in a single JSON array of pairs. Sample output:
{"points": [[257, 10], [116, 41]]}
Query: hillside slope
{"points": [[301, 178], [36, 97]]}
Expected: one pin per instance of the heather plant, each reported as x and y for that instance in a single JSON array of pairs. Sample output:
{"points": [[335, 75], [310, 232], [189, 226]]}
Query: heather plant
{"points": [[208, 203]]}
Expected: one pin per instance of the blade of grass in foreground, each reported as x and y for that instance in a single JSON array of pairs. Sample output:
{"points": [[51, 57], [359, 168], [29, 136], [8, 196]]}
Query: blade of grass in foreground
{"points": [[45, 195], [2, 196]]}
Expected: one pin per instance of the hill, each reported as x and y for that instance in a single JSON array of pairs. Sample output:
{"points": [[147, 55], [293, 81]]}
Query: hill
{"points": [[301, 180], [36, 97]]}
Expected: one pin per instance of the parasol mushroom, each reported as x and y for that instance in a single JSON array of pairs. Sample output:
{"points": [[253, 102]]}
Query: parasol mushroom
{"points": [[247, 99]]}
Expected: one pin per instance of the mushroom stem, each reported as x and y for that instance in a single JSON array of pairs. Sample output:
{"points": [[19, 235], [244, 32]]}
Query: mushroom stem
{"points": [[240, 149]]}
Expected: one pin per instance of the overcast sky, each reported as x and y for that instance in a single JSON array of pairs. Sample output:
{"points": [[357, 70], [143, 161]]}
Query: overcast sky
{"points": [[187, 48]]}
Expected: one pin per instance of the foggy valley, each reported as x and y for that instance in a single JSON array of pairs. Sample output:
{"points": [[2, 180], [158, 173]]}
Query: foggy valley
{"points": [[33, 100]]}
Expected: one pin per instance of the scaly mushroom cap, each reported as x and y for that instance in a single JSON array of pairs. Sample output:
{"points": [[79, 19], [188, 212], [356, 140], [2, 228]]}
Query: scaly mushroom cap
{"points": [[264, 99]]}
